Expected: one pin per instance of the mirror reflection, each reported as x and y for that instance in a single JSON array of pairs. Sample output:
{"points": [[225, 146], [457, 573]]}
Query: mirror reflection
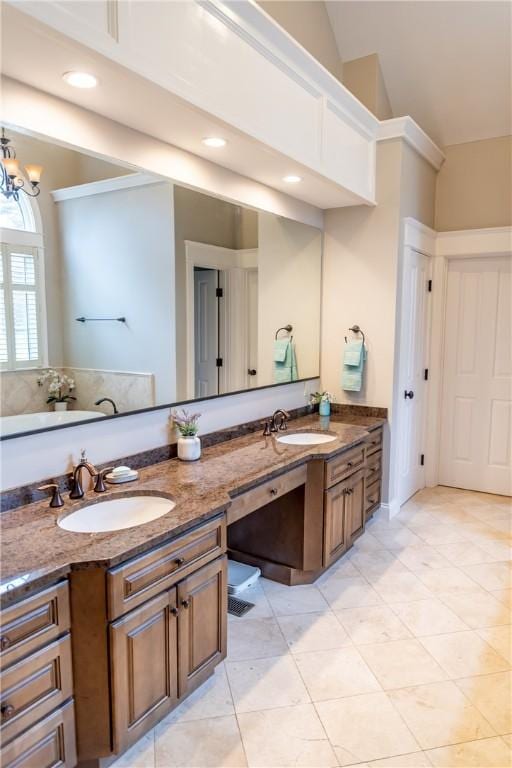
{"points": [[123, 291]]}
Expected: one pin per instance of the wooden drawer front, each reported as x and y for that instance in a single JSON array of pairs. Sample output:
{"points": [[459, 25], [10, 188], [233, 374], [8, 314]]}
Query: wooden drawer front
{"points": [[49, 744], [374, 468], [34, 622], [33, 687], [374, 441], [137, 580], [342, 466], [266, 492], [372, 494]]}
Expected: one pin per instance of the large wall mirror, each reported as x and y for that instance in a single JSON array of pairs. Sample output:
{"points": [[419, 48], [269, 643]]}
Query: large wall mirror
{"points": [[122, 291]]}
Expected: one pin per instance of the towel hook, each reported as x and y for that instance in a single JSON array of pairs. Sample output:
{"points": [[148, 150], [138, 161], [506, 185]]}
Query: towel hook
{"points": [[355, 329], [288, 328]]}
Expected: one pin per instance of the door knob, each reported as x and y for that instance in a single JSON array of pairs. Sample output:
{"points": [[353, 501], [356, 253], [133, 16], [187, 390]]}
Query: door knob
{"points": [[409, 394], [251, 371]]}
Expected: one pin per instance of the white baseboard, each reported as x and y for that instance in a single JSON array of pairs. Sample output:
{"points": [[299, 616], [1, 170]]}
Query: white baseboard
{"points": [[390, 509]]}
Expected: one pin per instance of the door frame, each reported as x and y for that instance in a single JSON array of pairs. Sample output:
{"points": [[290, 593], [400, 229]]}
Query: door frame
{"points": [[456, 244]]}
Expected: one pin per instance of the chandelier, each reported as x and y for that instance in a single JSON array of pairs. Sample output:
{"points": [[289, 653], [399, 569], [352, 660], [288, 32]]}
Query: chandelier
{"points": [[11, 183]]}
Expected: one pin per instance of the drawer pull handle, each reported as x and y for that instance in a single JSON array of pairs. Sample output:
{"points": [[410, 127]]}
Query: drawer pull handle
{"points": [[371, 501], [185, 603], [7, 711], [273, 491], [179, 561], [174, 611], [4, 642]]}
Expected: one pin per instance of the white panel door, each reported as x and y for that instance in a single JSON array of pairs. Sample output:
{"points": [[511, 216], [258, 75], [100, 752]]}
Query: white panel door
{"points": [[476, 432], [206, 332], [413, 344]]}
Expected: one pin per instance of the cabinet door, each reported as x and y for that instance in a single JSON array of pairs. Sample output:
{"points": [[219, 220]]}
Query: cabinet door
{"points": [[355, 506], [202, 625], [144, 668], [335, 536], [48, 744]]}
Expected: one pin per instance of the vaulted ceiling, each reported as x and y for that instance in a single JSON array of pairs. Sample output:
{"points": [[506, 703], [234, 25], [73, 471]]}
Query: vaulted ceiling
{"points": [[447, 63]]}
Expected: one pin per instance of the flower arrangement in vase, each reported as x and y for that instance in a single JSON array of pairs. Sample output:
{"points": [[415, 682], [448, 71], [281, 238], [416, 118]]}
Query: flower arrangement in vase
{"points": [[189, 444], [60, 387], [323, 400]]}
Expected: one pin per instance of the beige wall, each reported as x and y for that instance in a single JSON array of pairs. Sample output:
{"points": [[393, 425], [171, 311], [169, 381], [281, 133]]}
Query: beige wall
{"points": [[307, 21], [474, 185], [363, 77]]}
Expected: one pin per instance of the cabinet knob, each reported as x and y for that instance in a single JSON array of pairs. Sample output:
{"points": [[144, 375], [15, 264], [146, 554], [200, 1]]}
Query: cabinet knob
{"points": [[350, 463], [185, 603], [273, 491], [179, 561], [409, 395], [7, 711], [174, 611], [371, 501], [4, 642]]}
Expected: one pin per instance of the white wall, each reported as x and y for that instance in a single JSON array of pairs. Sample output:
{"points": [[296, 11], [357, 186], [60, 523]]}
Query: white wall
{"points": [[289, 278], [118, 261]]}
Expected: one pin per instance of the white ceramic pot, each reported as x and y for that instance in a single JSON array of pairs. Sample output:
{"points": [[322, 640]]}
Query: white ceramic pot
{"points": [[60, 406], [189, 448]]}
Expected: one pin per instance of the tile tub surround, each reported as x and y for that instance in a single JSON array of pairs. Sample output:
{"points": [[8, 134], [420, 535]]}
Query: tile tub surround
{"points": [[34, 550], [254, 712]]}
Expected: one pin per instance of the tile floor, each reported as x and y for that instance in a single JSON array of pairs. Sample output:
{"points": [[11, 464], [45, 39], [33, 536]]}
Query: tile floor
{"points": [[398, 656]]}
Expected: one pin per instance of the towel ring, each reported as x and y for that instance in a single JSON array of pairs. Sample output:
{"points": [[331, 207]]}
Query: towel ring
{"points": [[288, 328], [356, 329]]}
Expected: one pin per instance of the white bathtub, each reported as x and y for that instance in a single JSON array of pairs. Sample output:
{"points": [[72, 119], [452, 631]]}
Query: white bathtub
{"points": [[25, 422]]}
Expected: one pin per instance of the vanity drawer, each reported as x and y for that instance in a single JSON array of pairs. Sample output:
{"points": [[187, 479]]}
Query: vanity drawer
{"points": [[342, 466], [135, 581], [49, 744], [249, 501], [372, 495], [374, 467], [38, 620], [34, 686], [374, 441]]}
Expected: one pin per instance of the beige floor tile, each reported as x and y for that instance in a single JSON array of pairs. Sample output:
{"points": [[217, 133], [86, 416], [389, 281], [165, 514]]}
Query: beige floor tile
{"points": [[491, 575], [373, 565], [342, 568], [464, 553], [401, 663], [211, 743], [289, 736], [261, 610], [141, 755], [421, 557], [365, 728], [428, 617], [504, 596], [446, 580], [346, 593], [381, 525], [336, 673], [255, 639], [439, 714], [486, 753], [477, 609], [372, 624], [287, 601], [500, 549], [464, 654], [367, 543], [492, 696], [413, 760], [415, 518], [401, 587], [440, 534], [211, 699], [499, 638], [313, 632], [398, 538], [265, 683]]}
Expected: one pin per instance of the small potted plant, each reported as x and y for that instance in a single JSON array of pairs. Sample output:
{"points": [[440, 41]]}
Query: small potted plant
{"points": [[60, 387], [323, 400], [189, 444]]}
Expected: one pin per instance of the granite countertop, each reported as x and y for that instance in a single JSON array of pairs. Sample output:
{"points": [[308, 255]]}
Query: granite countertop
{"points": [[35, 551]]}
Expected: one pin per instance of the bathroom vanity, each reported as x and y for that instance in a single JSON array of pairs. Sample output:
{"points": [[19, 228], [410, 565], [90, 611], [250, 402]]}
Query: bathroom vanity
{"points": [[104, 634]]}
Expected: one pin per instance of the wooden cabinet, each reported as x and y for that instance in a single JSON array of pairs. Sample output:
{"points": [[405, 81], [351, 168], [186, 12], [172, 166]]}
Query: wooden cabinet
{"points": [[202, 624], [166, 648], [344, 515], [355, 506], [144, 668], [374, 443], [48, 744]]}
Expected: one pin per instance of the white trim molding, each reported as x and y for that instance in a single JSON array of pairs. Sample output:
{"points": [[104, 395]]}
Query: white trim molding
{"points": [[127, 181], [418, 236], [494, 241], [407, 129]]}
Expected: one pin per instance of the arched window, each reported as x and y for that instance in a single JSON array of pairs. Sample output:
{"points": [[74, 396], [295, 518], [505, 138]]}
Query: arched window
{"points": [[21, 285]]}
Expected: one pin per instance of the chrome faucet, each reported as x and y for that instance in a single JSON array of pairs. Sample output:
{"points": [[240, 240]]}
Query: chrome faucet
{"points": [[77, 491], [277, 422], [107, 400]]}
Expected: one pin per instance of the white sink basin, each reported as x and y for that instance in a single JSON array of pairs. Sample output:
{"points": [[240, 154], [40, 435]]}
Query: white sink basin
{"points": [[116, 514], [306, 438]]}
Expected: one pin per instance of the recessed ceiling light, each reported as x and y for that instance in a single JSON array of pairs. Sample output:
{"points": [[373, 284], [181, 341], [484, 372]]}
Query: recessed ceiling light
{"points": [[214, 141], [292, 179], [80, 79]]}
